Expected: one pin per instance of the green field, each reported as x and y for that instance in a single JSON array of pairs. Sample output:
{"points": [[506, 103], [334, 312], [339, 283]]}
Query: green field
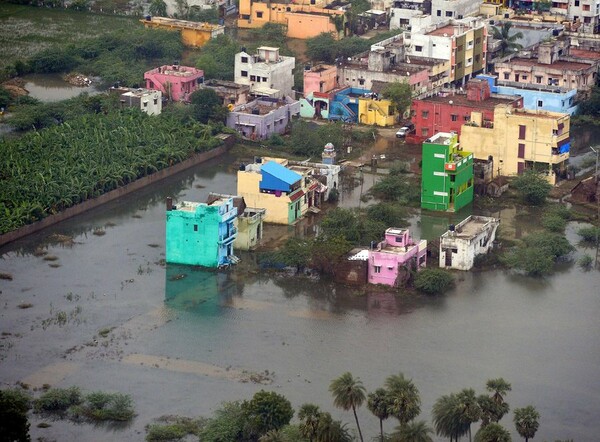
{"points": [[27, 30]]}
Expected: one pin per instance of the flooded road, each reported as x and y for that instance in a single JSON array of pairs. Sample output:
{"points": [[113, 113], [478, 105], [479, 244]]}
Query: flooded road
{"points": [[182, 340]]}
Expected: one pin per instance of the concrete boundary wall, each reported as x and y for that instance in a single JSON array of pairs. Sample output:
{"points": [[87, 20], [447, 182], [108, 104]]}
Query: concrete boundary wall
{"points": [[114, 194]]}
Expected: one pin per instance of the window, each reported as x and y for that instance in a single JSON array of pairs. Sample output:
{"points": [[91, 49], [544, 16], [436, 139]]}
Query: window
{"points": [[477, 58], [540, 103], [470, 44], [425, 132], [424, 114], [576, 2], [155, 101], [460, 48], [377, 269], [506, 75], [361, 81], [439, 13], [259, 14], [244, 73], [467, 118], [454, 117], [469, 62], [244, 59], [264, 79], [288, 9], [538, 79], [195, 227], [524, 77], [587, 19], [586, 8], [478, 40], [419, 48], [258, 79], [521, 153], [459, 65], [252, 77], [448, 13], [522, 131], [245, 17]]}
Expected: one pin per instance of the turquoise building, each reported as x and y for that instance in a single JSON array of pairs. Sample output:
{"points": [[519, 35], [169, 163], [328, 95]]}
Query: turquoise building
{"points": [[201, 234]]}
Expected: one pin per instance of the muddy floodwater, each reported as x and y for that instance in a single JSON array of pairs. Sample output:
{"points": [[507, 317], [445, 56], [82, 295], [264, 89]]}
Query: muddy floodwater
{"points": [[181, 340], [51, 87]]}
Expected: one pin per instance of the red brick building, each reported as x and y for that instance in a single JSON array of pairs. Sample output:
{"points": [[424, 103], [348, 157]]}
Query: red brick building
{"points": [[448, 111]]}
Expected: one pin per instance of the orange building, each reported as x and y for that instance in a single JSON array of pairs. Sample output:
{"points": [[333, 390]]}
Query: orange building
{"points": [[192, 34], [304, 18]]}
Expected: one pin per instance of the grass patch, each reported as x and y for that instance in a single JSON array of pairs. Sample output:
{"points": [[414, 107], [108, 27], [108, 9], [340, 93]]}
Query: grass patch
{"points": [[25, 305], [43, 425], [50, 258], [54, 265], [172, 428], [104, 332]]}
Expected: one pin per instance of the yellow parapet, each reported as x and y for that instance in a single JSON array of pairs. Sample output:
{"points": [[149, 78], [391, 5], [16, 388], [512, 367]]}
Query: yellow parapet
{"points": [[192, 33]]}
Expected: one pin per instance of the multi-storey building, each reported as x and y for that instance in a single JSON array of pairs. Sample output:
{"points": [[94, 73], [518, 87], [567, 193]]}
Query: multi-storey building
{"points": [[453, 9], [262, 117], [447, 180], [267, 73], [302, 18], [175, 82], [461, 42], [520, 139], [448, 111], [146, 100], [201, 234]]}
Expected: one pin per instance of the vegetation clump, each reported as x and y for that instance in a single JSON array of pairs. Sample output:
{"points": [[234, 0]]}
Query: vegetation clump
{"points": [[58, 400], [101, 406], [533, 187], [589, 235], [538, 253], [433, 281], [14, 405]]}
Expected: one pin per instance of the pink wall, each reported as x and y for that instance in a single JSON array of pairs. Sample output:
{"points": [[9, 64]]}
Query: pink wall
{"points": [[314, 77], [175, 82]]}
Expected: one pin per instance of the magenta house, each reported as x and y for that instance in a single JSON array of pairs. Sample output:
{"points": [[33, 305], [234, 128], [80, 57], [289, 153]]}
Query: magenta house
{"points": [[175, 82], [391, 262]]}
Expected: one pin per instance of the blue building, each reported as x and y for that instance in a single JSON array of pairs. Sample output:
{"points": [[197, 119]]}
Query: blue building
{"points": [[548, 98], [201, 234]]}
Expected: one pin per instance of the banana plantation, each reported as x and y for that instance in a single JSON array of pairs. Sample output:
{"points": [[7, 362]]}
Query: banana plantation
{"points": [[44, 172]]}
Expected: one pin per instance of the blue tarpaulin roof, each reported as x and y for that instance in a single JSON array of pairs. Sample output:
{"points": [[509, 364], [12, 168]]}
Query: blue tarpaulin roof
{"points": [[281, 172]]}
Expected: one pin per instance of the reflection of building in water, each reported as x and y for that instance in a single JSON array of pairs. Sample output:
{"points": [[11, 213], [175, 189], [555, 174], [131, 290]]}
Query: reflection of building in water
{"points": [[462, 243], [193, 288], [381, 304]]}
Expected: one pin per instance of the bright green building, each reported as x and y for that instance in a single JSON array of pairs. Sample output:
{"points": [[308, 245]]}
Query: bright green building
{"points": [[447, 180], [201, 234]]}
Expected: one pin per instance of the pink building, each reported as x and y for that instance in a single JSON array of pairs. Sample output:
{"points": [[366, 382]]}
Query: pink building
{"points": [[320, 78], [394, 258], [174, 81]]}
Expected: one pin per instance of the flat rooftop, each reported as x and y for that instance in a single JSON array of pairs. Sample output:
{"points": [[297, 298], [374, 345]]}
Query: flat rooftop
{"points": [[470, 229], [461, 100], [448, 30], [177, 71], [561, 64], [584, 53]]}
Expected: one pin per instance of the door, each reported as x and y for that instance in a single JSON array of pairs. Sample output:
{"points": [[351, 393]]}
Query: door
{"points": [[448, 262], [520, 167]]}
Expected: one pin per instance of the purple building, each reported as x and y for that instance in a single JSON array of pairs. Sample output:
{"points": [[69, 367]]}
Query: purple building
{"points": [[262, 117]]}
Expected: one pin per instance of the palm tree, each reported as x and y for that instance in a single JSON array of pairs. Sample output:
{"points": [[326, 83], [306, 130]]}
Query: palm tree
{"points": [[348, 393], [527, 421], [499, 387], [158, 8], [413, 432], [405, 403], [508, 43], [378, 403], [493, 433], [447, 418], [494, 407], [309, 415], [468, 408]]}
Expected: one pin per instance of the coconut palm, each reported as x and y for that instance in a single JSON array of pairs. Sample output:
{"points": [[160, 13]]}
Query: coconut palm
{"points": [[378, 403], [508, 40], [158, 7], [413, 432], [527, 421], [493, 433], [348, 393], [405, 403]]}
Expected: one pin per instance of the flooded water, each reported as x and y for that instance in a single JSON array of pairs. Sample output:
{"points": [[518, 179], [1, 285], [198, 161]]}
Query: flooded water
{"points": [[51, 87], [182, 340]]}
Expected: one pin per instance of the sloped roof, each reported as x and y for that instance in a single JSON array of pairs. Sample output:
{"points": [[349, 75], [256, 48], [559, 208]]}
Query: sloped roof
{"points": [[281, 172]]}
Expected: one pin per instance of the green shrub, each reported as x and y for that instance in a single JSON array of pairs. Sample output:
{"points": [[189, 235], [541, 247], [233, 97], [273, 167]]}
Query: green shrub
{"points": [[554, 223], [538, 253], [585, 262], [173, 428], [57, 400], [433, 281], [533, 187], [589, 234], [14, 405], [101, 406]]}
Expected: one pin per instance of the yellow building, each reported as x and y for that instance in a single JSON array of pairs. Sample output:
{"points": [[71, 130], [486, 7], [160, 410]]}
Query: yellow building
{"points": [[304, 19], [376, 112], [286, 192], [520, 139], [192, 34]]}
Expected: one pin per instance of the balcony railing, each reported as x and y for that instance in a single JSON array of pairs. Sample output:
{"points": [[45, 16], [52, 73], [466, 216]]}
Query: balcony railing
{"points": [[228, 237]]}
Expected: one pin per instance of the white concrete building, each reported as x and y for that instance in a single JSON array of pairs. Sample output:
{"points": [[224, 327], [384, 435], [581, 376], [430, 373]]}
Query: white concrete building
{"points": [[267, 73], [330, 172], [453, 9], [410, 15], [147, 100], [462, 243], [225, 7]]}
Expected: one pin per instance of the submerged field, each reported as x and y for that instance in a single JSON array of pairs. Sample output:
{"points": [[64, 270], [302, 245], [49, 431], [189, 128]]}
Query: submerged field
{"points": [[26, 30]]}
